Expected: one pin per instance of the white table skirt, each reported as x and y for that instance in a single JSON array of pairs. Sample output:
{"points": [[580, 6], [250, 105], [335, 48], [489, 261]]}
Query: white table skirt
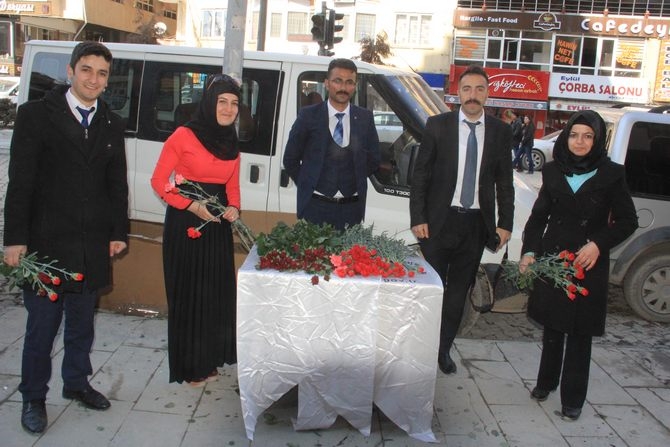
{"points": [[346, 342]]}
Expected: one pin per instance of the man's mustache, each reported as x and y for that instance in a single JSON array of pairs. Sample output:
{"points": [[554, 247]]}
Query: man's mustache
{"points": [[473, 101]]}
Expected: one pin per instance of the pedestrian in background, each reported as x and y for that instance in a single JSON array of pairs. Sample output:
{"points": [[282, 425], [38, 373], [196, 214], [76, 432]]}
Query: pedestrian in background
{"points": [[584, 206], [67, 200], [463, 169], [516, 125], [332, 149], [527, 142], [200, 273]]}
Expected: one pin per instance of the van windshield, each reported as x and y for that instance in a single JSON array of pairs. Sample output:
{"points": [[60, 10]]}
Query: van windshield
{"points": [[410, 98]]}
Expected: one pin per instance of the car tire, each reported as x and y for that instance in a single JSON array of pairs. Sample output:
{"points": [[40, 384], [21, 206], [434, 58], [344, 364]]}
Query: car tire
{"points": [[647, 287], [538, 160]]}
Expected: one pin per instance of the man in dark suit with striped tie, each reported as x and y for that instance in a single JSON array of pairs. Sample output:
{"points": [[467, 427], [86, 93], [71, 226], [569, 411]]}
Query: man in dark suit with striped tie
{"points": [[463, 168], [332, 149]]}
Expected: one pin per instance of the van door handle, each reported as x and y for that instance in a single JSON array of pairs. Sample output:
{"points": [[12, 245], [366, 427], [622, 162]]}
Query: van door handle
{"points": [[254, 173], [284, 178]]}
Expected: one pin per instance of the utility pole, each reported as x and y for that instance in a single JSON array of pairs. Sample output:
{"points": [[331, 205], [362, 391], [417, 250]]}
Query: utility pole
{"points": [[262, 24], [233, 52]]}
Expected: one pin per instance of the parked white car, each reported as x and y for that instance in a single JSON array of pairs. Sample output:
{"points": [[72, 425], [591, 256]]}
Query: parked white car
{"points": [[9, 87], [543, 149]]}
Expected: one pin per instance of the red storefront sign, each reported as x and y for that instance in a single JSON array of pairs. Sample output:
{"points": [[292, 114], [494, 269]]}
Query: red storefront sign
{"points": [[508, 83]]}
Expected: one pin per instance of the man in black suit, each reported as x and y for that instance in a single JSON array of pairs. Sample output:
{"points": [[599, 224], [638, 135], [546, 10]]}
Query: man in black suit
{"points": [[332, 149], [67, 199], [462, 169]]}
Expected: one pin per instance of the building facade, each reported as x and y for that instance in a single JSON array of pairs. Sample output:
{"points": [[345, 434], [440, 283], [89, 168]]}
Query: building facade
{"points": [[103, 20], [547, 58], [565, 55]]}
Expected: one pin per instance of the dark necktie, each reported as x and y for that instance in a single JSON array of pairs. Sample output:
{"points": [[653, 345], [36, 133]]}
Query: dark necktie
{"points": [[338, 134], [84, 115], [470, 171]]}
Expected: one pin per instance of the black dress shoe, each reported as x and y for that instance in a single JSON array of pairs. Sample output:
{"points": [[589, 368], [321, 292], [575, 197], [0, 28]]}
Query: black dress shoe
{"points": [[447, 365], [34, 416], [571, 413], [539, 394], [89, 397]]}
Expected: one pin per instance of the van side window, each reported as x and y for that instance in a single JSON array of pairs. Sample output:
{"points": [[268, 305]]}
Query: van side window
{"points": [[311, 89], [173, 93], [648, 160]]}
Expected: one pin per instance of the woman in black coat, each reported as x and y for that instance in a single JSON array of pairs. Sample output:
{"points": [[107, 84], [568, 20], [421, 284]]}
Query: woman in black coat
{"points": [[584, 206]]}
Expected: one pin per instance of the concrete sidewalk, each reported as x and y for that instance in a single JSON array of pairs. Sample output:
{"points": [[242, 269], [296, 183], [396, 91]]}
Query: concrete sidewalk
{"points": [[486, 403]]}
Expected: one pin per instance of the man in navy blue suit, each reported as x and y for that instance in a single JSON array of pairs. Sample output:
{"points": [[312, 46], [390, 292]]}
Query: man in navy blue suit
{"points": [[462, 171], [332, 149]]}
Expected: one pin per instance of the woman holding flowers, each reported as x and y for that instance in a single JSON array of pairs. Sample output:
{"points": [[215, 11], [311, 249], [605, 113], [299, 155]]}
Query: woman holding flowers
{"points": [[584, 209], [198, 259]]}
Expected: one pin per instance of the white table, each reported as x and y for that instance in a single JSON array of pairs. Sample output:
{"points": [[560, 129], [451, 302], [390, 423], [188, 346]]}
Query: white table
{"points": [[346, 343]]}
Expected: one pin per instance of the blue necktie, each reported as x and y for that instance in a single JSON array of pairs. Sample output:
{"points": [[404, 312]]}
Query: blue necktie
{"points": [[338, 134], [470, 171], [84, 115]]}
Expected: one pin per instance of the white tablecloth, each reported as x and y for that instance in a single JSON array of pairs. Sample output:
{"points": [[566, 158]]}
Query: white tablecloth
{"points": [[346, 342]]}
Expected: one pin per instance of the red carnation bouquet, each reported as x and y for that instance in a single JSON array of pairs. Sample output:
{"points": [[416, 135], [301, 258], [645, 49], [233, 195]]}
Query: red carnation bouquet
{"points": [[197, 193], [322, 250], [559, 269], [42, 275]]}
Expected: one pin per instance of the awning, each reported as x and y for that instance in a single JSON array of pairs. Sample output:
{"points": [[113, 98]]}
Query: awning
{"points": [[506, 103], [435, 80]]}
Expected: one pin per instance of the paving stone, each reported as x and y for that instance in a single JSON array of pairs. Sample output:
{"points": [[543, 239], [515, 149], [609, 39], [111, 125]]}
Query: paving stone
{"points": [[526, 425], [635, 425], [622, 368], [143, 428]]}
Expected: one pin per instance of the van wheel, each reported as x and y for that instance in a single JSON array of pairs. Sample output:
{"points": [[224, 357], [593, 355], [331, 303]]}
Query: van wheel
{"points": [[647, 287], [480, 295]]}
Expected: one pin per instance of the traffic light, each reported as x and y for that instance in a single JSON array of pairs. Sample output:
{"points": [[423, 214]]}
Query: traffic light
{"points": [[319, 27], [333, 27]]}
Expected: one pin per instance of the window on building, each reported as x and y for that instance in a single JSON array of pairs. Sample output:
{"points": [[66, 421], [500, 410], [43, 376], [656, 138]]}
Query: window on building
{"points": [[170, 14], [600, 56], [275, 25], [255, 17], [213, 23], [297, 23], [6, 39], [145, 5], [365, 26], [412, 29], [500, 48]]}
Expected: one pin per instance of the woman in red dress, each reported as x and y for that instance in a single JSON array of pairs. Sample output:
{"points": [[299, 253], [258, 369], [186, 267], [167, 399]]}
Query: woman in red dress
{"points": [[200, 272]]}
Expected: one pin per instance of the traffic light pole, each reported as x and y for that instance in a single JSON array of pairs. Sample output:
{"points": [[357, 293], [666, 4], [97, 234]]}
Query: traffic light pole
{"points": [[324, 29]]}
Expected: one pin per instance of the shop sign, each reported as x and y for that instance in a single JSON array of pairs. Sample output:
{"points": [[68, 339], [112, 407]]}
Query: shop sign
{"points": [[565, 23], [598, 88], [16, 8], [575, 106], [565, 50], [508, 83], [662, 91]]}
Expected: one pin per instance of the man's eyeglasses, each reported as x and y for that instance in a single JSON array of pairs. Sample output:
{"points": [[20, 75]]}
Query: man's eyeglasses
{"points": [[213, 79], [339, 82]]}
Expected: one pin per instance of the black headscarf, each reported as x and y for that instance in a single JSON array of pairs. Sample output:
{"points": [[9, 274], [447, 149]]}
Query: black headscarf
{"points": [[570, 163], [221, 141]]}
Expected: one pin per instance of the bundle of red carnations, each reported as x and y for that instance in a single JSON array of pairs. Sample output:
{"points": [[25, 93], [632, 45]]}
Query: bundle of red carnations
{"points": [[43, 276], [559, 268], [194, 191], [322, 250]]}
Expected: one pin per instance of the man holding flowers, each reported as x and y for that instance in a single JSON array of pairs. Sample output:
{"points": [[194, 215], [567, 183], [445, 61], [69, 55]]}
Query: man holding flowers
{"points": [[583, 210], [67, 200]]}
